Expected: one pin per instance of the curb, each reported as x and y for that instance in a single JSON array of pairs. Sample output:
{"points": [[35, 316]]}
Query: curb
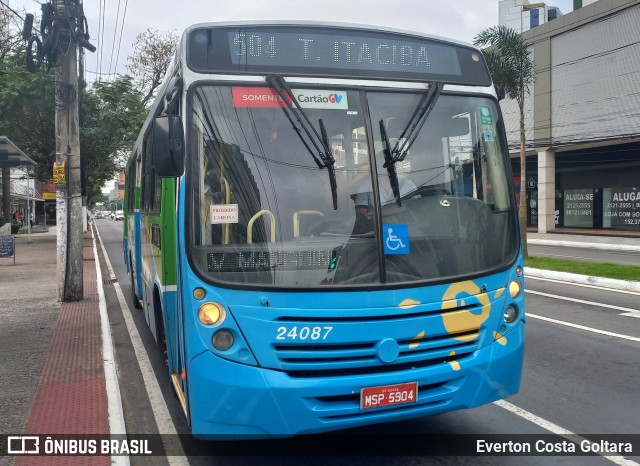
{"points": [[577, 244], [624, 285]]}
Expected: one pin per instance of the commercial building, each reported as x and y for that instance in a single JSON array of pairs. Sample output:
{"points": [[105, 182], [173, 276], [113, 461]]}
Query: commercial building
{"points": [[19, 192], [582, 119], [116, 195], [521, 15]]}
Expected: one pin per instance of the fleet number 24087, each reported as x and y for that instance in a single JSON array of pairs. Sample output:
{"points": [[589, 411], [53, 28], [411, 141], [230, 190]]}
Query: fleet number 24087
{"points": [[303, 333]]}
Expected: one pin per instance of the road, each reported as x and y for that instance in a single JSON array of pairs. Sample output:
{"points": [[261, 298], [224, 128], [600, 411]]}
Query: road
{"points": [[585, 254], [581, 380]]}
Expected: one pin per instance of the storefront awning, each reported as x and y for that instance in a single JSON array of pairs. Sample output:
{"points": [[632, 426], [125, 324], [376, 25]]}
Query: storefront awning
{"points": [[22, 192], [11, 156]]}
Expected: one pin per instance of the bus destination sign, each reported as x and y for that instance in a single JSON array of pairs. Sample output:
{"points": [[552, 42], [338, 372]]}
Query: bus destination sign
{"points": [[333, 52]]}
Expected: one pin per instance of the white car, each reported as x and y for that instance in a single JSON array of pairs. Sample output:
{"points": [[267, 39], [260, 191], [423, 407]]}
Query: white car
{"points": [[119, 215]]}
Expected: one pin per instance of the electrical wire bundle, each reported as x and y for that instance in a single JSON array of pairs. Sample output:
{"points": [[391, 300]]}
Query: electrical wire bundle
{"points": [[57, 30]]}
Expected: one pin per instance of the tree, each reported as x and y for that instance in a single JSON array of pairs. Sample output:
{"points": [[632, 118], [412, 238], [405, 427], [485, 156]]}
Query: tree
{"points": [[112, 114], [27, 108], [151, 58], [10, 33], [511, 68]]}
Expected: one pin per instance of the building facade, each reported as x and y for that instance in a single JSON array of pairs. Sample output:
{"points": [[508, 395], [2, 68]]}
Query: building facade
{"points": [[116, 195], [522, 15], [582, 120]]}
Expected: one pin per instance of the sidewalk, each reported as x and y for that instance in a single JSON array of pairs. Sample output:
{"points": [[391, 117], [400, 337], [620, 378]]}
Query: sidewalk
{"points": [[51, 363]]}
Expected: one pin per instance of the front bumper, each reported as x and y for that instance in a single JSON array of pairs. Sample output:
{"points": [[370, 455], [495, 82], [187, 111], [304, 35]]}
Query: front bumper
{"points": [[228, 400]]}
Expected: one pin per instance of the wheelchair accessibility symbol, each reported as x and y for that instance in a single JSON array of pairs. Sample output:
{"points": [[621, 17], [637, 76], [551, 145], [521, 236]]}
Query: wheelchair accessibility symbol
{"points": [[396, 239]]}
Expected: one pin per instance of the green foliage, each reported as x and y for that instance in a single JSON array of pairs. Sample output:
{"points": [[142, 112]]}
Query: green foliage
{"points": [[2, 221], [27, 109], [111, 116], [508, 59]]}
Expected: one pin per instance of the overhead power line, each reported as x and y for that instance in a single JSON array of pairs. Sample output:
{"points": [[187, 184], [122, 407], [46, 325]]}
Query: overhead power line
{"points": [[124, 15], [115, 33], [12, 10]]}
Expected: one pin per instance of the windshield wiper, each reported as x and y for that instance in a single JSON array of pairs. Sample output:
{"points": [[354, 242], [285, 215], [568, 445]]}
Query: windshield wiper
{"points": [[324, 157], [412, 130], [390, 164], [330, 166]]}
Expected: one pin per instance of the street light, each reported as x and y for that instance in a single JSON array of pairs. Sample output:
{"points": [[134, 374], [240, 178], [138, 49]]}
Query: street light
{"points": [[532, 6]]}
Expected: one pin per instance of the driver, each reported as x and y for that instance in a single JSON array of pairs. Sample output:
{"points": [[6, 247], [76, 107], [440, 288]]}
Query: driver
{"points": [[363, 199]]}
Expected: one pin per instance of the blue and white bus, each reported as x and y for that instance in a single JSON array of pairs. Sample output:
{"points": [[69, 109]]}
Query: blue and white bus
{"points": [[321, 229]]}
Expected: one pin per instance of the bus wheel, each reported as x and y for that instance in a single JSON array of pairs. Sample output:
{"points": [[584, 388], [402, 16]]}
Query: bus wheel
{"points": [[134, 297], [157, 315]]}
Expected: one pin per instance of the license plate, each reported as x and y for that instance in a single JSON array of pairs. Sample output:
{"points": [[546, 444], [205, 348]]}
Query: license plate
{"points": [[402, 393]]}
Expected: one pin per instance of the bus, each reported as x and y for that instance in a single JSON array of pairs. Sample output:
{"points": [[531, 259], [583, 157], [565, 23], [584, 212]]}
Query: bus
{"points": [[321, 229]]}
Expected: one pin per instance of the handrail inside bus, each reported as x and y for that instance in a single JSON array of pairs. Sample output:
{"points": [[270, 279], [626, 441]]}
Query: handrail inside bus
{"points": [[256, 217], [227, 227], [296, 219]]}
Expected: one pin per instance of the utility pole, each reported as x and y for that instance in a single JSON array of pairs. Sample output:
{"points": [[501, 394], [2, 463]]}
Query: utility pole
{"points": [[63, 29], [68, 194]]}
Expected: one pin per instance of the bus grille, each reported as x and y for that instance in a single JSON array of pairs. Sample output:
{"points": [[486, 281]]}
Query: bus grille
{"points": [[302, 361]]}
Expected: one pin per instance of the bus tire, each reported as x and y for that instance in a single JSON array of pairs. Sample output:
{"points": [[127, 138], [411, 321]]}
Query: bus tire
{"points": [[134, 296], [159, 320]]}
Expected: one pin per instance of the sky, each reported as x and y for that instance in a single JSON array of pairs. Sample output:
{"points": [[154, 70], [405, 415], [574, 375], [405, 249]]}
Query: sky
{"points": [[455, 19]]}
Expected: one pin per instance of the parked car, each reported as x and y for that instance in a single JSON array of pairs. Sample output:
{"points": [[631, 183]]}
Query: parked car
{"points": [[119, 215]]}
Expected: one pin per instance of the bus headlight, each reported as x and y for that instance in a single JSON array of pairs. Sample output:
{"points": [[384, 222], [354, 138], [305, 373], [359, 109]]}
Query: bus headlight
{"points": [[222, 340], [510, 314], [199, 293], [211, 314], [515, 288]]}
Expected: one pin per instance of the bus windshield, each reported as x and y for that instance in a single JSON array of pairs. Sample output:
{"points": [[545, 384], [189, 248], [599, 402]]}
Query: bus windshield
{"points": [[260, 208]]}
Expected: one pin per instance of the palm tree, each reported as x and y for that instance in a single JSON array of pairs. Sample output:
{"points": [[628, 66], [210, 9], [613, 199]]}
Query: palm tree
{"points": [[511, 68]]}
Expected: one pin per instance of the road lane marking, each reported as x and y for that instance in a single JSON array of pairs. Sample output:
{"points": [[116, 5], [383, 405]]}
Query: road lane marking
{"points": [[558, 430], [627, 310], [115, 411], [582, 327], [159, 407]]}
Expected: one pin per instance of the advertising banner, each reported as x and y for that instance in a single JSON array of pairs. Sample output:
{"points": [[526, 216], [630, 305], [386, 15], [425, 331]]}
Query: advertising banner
{"points": [[621, 208]]}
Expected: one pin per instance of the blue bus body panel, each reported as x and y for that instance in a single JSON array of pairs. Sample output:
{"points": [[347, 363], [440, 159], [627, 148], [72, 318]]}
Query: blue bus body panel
{"points": [[300, 359]]}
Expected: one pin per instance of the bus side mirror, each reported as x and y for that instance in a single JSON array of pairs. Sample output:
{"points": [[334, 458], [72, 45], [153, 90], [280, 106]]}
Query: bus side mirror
{"points": [[168, 146]]}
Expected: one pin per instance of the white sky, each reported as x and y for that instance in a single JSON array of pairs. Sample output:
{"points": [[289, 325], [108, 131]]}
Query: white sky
{"points": [[456, 19]]}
